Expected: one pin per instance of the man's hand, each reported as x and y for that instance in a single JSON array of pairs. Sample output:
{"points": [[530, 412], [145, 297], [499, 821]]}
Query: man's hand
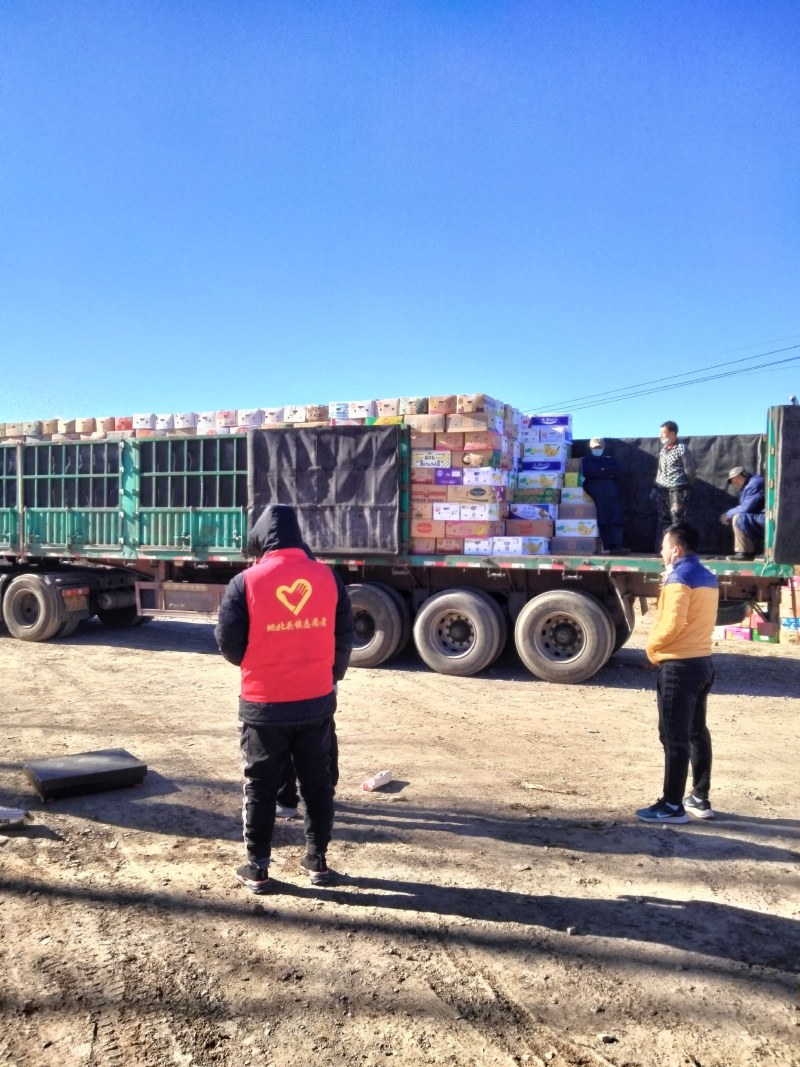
{"points": [[724, 518]]}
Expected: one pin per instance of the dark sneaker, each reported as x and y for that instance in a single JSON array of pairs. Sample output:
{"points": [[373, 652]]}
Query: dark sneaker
{"points": [[741, 557], [619, 550], [662, 812], [317, 870], [256, 879], [700, 808], [283, 812]]}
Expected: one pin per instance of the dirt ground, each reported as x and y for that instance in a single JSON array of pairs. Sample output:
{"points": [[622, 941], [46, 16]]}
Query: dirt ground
{"points": [[499, 905]]}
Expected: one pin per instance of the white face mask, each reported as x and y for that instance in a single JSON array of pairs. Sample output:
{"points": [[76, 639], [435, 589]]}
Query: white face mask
{"points": [[664, 440], [597, 451]]}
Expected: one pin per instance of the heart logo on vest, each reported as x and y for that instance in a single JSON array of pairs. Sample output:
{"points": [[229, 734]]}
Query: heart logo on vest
{"points": [[294, 597]]}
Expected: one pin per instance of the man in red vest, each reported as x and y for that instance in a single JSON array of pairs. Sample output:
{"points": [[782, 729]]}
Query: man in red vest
{"points": [[286, 622]]}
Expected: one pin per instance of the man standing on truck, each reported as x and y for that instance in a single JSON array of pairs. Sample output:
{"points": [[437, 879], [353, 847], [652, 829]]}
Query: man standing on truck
{"points": [[747, 517], [601, 475], [286, 622], [675, 477], [680, 646]]}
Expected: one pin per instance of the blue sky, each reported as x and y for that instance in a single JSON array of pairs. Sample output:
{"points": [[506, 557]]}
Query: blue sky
{"points": [[242, 204]]}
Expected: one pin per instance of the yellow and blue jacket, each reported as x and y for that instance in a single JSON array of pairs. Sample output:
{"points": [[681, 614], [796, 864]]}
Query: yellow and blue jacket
{"points": [[686, 613]]}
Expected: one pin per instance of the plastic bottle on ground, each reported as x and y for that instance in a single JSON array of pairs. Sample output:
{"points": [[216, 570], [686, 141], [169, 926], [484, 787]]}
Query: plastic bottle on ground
{"points": [[377, 780]]}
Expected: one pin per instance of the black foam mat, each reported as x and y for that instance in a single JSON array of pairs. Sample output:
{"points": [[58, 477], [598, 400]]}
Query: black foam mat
{"points": [[84, 772]]}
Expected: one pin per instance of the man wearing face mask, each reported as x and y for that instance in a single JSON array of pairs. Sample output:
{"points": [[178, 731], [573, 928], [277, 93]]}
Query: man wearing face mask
{"points": [[674, 479], [601, 481], [747, 517], [680, 646]]}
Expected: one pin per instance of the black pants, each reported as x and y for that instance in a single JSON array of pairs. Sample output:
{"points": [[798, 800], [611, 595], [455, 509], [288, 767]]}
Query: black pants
{"points": [[266, 751], [682, 688], [288, 796], [671, 506]]}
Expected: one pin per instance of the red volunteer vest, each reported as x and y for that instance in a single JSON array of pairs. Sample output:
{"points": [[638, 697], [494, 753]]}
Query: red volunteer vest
{"points": [[291, 600]]}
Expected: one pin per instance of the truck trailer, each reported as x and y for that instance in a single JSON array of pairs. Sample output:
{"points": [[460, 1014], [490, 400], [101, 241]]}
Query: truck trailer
{"points": [[134, 529]]}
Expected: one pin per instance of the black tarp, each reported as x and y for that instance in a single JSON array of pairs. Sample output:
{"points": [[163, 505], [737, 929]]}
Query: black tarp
{"points": [[343, 481], [715, 456], [787, 485]]}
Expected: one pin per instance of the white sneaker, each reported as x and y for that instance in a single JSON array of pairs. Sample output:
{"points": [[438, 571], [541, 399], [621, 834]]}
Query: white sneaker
{"points": [[285, 813]]}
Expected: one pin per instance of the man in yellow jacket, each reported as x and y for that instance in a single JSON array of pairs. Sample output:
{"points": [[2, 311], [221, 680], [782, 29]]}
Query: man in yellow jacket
{"points": [[680, 646]]}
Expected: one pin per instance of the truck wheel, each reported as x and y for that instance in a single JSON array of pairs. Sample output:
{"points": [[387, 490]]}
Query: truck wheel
{"points": [[30, 608], [624, 628], [67, 628], [501, 620], [405, 615], [564, 637], [377, 622], [457, 632], [119, 618]]}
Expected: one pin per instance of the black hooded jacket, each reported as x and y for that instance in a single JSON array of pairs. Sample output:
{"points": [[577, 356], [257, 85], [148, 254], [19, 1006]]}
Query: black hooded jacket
{"points": [[277, 528]]}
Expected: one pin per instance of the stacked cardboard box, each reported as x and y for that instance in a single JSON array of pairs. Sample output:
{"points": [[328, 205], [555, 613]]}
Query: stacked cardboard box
{"points": [[790, 612]]}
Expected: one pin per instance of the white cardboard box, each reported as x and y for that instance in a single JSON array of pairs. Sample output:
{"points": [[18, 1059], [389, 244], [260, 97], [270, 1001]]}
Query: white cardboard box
{"points": [[447, 512], [484, 476], [538, 480], [479, 513], [272, 416], [576, 528], [296, 413], [185, 420], [250, 417], [206, 421], [534, 511], [144, 422], [477, 546], [226, 420], [165, 422], [361, 409]]}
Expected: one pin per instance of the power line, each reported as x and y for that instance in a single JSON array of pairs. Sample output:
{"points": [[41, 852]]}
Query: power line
{"points": [[668, 378], [680, 385]]}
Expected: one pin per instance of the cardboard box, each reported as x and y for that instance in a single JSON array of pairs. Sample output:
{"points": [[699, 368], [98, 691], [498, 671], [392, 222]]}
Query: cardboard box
{"points": [[538, 480], [185, 431], [738, 633], [478, 421], [473, 529], [34, 428], [165, 422], [768, 632], [226, 420], [422, 546], [428, 423], [575, 527], [125, 422], [575, 495], [536, 546], [453, 546], [520, 546], [529, 527], [343, 422], [476, 440], [555, 434], [250, 418], [297, 413], [385, 408], [140, 422], [536, 496], [422, 440], [427, 528], [89, 425], [533, 511], [574, 546], [429, 459], [420, 511], [572, 479], [442, 405], [338, 409], [577, 511], [385, 420], [452, 442], [476, 494], [790, 630], [361, 409], [478, 459], [546, 452], [446, 512], [182, 420], [469, 403], [479, 512], [206, 421], [414, 405], [317, 413], [542, 466], [549, 421], [432, 493], [448, 476], [49, 426], [422, 476], [477, 546], [484, 476]]}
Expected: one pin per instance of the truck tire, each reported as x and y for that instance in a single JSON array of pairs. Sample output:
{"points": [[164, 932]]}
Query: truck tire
{"points": [[405, 616], [377, 622], [119, 618], [67, 628], [30, 608], [457, 632], [624, 628], [501, 620], [564, 636]]}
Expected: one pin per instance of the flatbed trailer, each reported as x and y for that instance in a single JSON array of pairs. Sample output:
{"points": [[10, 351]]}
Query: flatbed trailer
{"points": [[134, 529]]}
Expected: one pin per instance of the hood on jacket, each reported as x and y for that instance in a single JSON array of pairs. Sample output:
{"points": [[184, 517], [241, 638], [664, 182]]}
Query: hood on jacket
{"points": [[276, 527]]}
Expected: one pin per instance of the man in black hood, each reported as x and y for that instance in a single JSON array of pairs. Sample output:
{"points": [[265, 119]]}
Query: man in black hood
{"points": [[286, 622]]}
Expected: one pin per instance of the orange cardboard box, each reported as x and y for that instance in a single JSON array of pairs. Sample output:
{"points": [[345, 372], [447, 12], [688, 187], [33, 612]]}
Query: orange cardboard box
{"points": [[426, 528], [423, 546], [421, 510], [529, 527], [451, 442], [434, 494], [423, 475], [442, 405], [476, 494], [454, 546], [422, 440]]}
